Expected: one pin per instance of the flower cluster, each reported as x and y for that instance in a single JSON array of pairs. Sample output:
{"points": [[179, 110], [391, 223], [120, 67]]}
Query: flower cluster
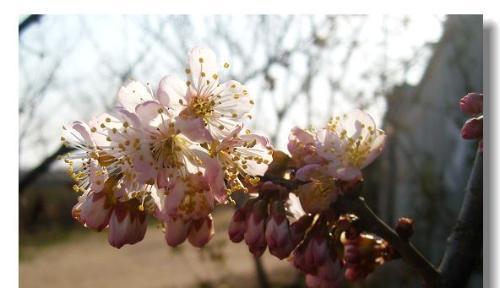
{"points": [[331, 158], [301, 221], [177, 153], [173, 155], [472, 105]]}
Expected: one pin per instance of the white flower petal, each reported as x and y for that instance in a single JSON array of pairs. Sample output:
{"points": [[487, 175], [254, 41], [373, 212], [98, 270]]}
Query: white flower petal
{"points": [[171, 91], [202, 66], [132, 94]]}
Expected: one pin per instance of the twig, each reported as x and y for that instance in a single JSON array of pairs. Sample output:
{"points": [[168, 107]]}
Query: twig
{"points": [[465, 242]]}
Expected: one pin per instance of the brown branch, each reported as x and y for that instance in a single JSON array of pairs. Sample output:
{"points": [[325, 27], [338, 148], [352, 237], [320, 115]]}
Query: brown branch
{"points": [[36, 172], [465, 242]]}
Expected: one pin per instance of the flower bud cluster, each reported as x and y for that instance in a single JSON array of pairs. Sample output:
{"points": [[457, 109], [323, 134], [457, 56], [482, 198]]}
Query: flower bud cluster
{"points": [[263, 223], [363, 253]]}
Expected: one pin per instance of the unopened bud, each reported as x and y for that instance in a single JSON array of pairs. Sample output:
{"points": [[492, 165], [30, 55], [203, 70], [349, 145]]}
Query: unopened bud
{"points": [[404, 228], [299, 228], [473, 128], [472, 104]]}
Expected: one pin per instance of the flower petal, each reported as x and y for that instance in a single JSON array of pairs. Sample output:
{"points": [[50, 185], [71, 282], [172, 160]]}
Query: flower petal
{"points": [[172, 92], [132, 94], [202, 66]]}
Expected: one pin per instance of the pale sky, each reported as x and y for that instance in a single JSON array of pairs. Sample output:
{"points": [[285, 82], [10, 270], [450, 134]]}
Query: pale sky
{"points": [[89, 48]]}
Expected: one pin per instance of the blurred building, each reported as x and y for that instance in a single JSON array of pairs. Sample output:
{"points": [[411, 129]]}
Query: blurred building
{"points": [[425, 166]]}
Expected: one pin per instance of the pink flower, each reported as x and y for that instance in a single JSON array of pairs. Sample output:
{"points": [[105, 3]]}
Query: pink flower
{"points": [[187, 209], [302, 145], [472, 104], [350, 143], [203, 103], [84, 165], [171, 153], [243, 155], [317, 195], [132, 94]]}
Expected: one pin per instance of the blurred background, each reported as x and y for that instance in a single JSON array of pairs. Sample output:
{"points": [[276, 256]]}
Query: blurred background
{"points": [[408, 72]]}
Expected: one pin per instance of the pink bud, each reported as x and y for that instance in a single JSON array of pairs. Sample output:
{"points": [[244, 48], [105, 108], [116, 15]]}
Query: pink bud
{"points": [[472, 104], [330, 271], [126, 227], [404, 227], [352, 254], [258, 247], [256, 226], [277, 228], [352, 274], [94, 212], [473, 128], [317, 250], [299, 228], [176, 231], [299, 260], [313, 281], [237, 226], [201, 231], [278, 232]]}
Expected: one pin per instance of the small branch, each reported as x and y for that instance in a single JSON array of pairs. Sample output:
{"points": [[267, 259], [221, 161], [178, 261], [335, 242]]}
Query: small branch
{"points": [[465, 242], [408, 252]]}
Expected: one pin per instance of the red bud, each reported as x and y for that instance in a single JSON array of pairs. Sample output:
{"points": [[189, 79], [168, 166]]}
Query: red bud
{"points": [[472, 104]]}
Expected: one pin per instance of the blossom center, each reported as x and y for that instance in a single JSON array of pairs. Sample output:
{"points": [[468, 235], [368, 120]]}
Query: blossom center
{"points": [[202, 107], [165, 152]]}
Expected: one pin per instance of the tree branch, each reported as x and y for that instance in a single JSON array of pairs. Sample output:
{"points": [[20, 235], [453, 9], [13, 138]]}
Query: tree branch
{"points": [[36, 172], [465, 242], [32, 19]]}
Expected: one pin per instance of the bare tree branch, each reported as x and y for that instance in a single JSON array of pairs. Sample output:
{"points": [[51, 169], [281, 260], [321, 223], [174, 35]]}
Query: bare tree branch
{"points": [[465, 242], [30, 20], [29, 178]]}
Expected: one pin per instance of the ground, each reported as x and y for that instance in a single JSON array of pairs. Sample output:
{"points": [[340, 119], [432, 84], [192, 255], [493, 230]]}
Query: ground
{"points": [[85, 259]]}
